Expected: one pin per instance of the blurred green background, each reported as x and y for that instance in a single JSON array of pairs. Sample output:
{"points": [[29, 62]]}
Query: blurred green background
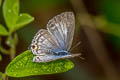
{"points": [[97, 27]]}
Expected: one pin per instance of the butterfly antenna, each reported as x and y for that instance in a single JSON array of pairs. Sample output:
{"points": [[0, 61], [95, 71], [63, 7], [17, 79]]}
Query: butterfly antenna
{"points": [[81, 57], [75, 46]]}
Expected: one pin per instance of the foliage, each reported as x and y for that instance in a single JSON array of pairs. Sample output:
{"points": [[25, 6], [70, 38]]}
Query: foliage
{"points": [[2, 76], [13, 19], [112, 29], [110, 9], [23, 66], [3, 31]]}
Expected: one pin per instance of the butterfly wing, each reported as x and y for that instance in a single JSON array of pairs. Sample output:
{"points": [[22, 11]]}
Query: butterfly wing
{"points": [[58, 37], [43, 43], [48, 58], [62, 28]]}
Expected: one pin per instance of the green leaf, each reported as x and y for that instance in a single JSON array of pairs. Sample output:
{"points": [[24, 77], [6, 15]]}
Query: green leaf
{"points": [[111, 10], [23, 19], [10, 12], [104, 25], [23, 66], [3, 31]]}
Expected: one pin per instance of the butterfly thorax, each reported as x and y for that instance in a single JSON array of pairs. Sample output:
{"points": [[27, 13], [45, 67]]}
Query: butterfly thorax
{"points": [[61, 53]]}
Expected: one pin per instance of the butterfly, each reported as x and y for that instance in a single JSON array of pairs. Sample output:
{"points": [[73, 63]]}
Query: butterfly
{"points": [[55, 42]]}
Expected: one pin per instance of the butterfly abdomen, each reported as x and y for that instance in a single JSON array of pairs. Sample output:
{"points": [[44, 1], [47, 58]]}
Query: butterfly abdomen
{"points": [[61, 53]]}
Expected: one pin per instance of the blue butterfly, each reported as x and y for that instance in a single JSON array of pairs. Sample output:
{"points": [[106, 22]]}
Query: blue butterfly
{"points": [[55, 42]]}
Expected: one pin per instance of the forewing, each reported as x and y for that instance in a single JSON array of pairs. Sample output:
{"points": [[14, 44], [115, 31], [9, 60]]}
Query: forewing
{"points": [[44, 42], [62, 28]]}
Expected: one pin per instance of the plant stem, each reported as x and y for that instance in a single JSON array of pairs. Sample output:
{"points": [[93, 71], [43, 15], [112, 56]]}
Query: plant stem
{"points": [[12, 47], [3, 76], [3, 50], [12, 52]]}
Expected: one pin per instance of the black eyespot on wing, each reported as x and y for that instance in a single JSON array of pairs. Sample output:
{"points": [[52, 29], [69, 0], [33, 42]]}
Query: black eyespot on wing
{"points": [[33, 46]]}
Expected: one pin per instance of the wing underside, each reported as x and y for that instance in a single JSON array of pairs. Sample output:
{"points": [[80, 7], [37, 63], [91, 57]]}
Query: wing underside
{"points": [[58, 36], [49, 58], [62, 28], [45, 43]]}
